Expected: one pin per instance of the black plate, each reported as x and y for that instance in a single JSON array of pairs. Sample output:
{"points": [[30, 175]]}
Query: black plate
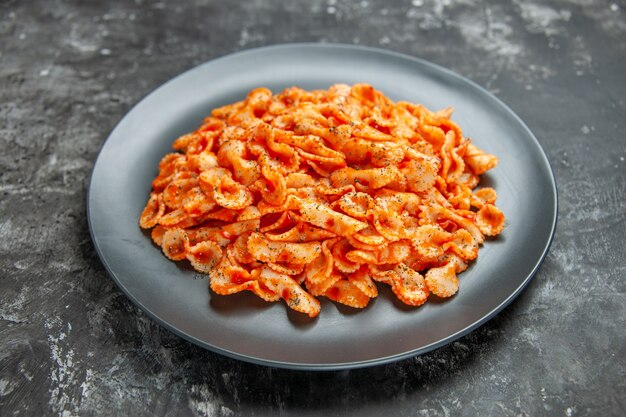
{"points": [[243, 326]]}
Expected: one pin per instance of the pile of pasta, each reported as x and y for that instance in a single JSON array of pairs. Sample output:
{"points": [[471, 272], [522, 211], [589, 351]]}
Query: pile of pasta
{"points": [[308, 194]]}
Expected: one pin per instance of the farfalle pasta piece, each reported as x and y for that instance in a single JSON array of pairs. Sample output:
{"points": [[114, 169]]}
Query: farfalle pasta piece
{"points": [[249, 213], [292, 202], [157, 234], [388, 223], [436, 214], [325, 188], [321, 267], [174, 218], [174, 243], [239, 249], [233, 154], [483, 196], [479, 161], [277, 156], [431, 242], [196, 202], [313, 148], [301, 232], [443, 281], [340, 259], [272, 186], [323, 216], [393, 253], [228, 193], [490, 220], [367, 179], [462, 198], [152, 213], [434, 135], [452, 166], [428, 241], [227, 279], [356, 204], [290, 291], [204, 255], [361, 257], [346, 292], [266, 250], [420, 172], [287, 268], [363, 281], [174, 193], [406, 283], [369, 236], [299, 180], [223, 234], [202, 161], [463, 244], [276, 221], [319, 288], [222, 214], [357, 244], [307, 194], [170, 165], [231, 195]]}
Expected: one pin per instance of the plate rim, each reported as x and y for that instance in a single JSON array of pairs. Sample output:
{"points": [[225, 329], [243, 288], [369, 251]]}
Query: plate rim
{"points": [[342, 365]]}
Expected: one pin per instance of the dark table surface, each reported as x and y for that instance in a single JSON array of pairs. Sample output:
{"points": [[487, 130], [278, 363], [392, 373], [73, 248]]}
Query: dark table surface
{"points": [[72, 344]]}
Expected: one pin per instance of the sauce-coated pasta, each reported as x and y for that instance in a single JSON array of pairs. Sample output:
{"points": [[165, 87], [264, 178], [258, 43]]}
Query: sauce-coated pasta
{"points": [[304, 194]]}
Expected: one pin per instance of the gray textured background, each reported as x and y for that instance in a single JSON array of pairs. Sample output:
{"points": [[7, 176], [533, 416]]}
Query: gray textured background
{"points": [[72, 344]]}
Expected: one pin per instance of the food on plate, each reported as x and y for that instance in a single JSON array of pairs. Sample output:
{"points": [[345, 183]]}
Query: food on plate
{"points": [[308, 194]]}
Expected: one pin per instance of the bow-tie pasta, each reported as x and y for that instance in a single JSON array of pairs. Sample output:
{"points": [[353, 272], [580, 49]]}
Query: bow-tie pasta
{"points": [[308, 194]]}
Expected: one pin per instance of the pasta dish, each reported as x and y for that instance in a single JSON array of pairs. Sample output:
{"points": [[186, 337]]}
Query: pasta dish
{"points": [[307, 194]]}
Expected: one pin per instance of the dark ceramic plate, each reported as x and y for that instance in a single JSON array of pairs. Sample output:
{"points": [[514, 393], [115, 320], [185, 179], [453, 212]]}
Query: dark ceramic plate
{"points": [[244, 327]]}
